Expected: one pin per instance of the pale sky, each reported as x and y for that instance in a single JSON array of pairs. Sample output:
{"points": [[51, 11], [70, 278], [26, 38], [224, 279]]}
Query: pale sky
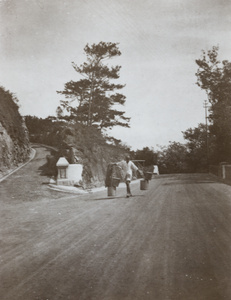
{"points": [[159, 41]]}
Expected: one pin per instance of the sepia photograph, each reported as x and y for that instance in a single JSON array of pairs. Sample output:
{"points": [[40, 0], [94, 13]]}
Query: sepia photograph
{"points": [[115, 150]]}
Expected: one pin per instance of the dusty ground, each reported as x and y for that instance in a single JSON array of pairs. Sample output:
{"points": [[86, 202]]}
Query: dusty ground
{"points": [[172, 241]]}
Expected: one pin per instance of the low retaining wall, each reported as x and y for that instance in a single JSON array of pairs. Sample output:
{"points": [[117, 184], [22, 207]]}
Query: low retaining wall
{"points": [[223, 171]]}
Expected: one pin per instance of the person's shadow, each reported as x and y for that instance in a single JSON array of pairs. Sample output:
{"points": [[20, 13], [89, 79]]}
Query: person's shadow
{"points": [[117, 197]]}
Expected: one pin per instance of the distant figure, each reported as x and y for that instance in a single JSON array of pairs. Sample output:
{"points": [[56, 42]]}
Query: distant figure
{"points": [[156, 170], [129, 167]]}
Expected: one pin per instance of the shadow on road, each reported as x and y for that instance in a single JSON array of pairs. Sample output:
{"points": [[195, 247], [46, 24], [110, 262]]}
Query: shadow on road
{"points": [[115, 198]]}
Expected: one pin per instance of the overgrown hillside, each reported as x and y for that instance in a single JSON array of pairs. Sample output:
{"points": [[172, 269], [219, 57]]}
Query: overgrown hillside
{"points": [[14, 140], [89, 147], [79, 144]]}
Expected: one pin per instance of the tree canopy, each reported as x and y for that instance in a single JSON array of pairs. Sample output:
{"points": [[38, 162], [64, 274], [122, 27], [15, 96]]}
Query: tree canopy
{"points": [[172, 158], [146, 154], [96, 93], [214, 77]]}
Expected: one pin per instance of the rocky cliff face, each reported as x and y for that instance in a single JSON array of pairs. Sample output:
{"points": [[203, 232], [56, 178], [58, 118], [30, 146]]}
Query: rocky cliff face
{"points": [[14, 139], [94, 155]]}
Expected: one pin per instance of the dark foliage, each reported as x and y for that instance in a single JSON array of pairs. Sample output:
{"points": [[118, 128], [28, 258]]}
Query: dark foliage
{"points": [[173, 159], [146, 154], [214, 77], [10, 116]]}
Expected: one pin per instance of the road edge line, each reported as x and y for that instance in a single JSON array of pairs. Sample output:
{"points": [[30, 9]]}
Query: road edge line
{"points": [[15, 170]]}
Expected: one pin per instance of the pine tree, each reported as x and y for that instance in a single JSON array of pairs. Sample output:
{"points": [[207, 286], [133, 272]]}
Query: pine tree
{"points": [[97, 93]]}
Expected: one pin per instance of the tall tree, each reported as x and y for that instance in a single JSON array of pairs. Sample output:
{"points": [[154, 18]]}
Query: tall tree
{"points": [[96, 94], [214, 77]]}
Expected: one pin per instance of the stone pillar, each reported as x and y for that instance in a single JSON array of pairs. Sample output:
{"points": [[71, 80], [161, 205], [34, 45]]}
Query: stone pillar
{"points": [[222, 168], [62, 165]]}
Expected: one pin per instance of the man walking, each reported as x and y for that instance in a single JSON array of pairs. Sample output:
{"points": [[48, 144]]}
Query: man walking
{"points": [[129, 168]]}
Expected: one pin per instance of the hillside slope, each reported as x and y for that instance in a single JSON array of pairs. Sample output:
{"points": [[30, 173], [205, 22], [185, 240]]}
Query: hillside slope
{"points": [[14, 139], [88, 147], [79, 144]]}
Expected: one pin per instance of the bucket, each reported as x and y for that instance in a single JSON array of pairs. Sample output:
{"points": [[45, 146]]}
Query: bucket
{"points": [[143, 184], [148, 175], [115, 181], [111, 191]]}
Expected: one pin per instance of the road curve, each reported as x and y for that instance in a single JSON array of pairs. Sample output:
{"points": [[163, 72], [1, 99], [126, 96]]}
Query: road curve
{"points": [[172, 241]]}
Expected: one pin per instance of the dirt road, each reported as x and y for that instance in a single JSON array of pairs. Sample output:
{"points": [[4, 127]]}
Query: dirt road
{"points": [[172, 241]]}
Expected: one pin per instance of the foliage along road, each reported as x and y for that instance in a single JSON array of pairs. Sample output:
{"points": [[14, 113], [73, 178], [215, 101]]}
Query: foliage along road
{"points": [[172, 241]]}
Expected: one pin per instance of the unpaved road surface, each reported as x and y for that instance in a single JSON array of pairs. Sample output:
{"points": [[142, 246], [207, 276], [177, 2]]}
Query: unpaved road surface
{"points": [[172, 241]]}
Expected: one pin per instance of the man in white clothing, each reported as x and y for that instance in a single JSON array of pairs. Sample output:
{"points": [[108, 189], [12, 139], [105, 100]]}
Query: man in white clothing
{"points": [[129, 167], [128, 177]]}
